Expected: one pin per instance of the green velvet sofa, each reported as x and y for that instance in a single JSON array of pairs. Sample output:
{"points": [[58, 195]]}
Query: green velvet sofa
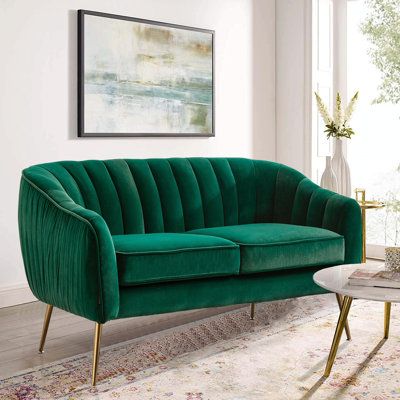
{"points": [[122, 238]]}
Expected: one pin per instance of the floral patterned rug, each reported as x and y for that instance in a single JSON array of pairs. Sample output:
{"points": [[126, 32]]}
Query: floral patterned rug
{"points": [[280, 355]]}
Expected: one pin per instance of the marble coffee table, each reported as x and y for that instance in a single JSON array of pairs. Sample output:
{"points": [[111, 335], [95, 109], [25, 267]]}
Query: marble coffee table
{"points": [[335, 279]]}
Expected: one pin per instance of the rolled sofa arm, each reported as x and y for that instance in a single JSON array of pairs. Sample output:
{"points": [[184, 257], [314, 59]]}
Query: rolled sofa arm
{"points": [[67, 250], [343, 215], [300, 201]]}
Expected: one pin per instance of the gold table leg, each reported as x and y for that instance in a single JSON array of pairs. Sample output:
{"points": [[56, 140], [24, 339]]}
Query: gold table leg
{"points": [[46, 323], [388, 306], [338, 334], [339, 299], [96, 351], [364, 236], [252, 310], [360, 197]]}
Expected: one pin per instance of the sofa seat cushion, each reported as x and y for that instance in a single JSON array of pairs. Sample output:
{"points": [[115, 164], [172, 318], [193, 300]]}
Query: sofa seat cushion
{"points": [[157, 257], [266, 247]]}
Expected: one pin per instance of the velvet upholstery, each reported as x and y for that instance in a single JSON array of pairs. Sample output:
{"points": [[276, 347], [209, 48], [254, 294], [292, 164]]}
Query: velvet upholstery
{"points": [[268, 247], [69, 212], [160, 257], [223, 291], [68, 252]]}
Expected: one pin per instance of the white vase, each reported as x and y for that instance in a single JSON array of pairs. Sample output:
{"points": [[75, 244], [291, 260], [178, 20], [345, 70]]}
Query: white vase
{"points": [[341, 169], [328, 178]]}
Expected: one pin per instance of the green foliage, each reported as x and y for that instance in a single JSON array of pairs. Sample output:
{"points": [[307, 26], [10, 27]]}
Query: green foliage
{"points": [[382, 28], [343, 131]]}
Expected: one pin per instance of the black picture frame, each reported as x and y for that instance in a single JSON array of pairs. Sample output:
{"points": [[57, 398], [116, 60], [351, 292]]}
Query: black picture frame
{"points": [[81, 76]]}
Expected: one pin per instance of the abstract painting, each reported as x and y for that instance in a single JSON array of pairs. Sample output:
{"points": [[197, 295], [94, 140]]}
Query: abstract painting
{"points": [[143, 78]]}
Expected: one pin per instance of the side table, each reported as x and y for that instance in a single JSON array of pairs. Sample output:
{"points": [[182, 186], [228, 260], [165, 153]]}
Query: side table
{"points": [[335, 279], [365, 205]]}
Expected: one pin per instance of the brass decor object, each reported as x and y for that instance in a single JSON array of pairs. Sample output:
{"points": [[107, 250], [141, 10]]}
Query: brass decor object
{"points": [[365, 205]]}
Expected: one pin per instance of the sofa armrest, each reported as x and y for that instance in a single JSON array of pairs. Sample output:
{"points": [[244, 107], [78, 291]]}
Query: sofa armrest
{"points": [[315, 206], [343, 215], [67, 250], [300, 201]]}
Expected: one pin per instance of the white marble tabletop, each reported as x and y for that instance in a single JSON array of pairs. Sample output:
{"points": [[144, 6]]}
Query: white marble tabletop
{"points": [[335, 279]]}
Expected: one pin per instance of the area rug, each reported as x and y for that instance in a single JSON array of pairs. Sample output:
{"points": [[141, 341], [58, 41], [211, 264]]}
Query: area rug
{"points": [[280, 355]]}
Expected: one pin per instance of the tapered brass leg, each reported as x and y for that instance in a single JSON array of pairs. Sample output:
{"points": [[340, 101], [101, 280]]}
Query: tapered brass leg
{"points": [[252, 310], [96, 351], [364, 235], [338, 333], [46, 323], [339, 299], [388, 306]]}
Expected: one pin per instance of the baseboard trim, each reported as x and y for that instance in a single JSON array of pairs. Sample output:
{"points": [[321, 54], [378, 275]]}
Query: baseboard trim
{"points": [[16, 294]]}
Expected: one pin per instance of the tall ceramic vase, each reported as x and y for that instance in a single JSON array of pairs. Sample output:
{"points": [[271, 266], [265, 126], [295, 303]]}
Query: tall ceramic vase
{"points": [[341, 169], [328, 178]]}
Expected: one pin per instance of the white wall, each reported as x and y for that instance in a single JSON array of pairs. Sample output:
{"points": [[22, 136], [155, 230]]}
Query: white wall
{"points": [[293, 83], [38, 93], [263, 104]]}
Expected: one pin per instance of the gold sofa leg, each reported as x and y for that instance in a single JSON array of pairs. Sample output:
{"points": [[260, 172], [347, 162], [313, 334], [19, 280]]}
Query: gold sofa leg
{"points": [[46, 323], [388, 306], [252, 310], [339, 299], [96, 351]]}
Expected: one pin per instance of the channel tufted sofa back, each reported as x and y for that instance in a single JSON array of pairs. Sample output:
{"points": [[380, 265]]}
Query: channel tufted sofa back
{"points": [[181, 194], [169, 195]]}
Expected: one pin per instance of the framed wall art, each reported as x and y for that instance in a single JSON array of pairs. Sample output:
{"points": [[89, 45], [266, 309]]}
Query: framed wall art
{"points": [[143, 78]]}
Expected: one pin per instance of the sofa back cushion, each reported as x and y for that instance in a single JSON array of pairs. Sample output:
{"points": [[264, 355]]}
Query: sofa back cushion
{"points": [[176, 194]]}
